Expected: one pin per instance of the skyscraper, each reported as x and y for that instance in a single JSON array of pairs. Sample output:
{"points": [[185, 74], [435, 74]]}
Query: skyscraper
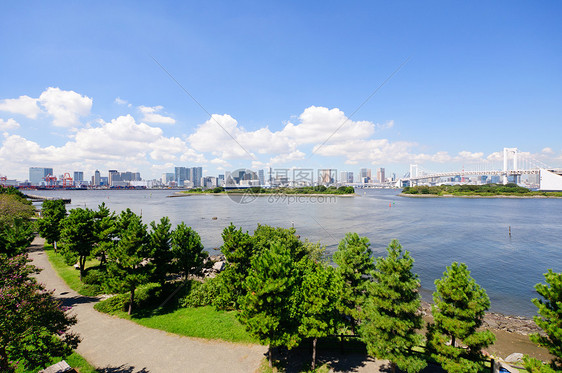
{"points": [[78, 176], [181, 175], [380, 175], [37, 174], [365, 173], [196, 175], [97, 178]]}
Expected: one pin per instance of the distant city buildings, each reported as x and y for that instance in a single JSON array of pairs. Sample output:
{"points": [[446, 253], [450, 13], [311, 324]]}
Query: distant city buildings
{"points": [[37, 175]]}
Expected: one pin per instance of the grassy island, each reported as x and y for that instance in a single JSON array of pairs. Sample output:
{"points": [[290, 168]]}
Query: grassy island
{"points": [[320, 189], [487, 190]]}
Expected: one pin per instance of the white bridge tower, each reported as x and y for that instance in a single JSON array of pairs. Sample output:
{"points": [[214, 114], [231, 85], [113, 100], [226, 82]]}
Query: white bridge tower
{"points": [[506, 153]]}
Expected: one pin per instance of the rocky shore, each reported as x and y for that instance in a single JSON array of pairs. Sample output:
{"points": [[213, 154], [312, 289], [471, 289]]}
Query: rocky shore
{"points": [[497, 321]]}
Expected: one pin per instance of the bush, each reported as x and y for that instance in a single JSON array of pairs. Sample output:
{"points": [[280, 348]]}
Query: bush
{"points": [[94, 277], [113, 304], [91, 290], [201, 293], [70, 258]]}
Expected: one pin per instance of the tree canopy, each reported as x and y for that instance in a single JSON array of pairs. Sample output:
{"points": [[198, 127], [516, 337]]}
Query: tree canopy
{"points": [[391, 317], [549, 319], [458, 311]]}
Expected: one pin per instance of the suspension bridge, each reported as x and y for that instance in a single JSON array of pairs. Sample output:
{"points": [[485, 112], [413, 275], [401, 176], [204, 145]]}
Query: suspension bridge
{"points": [[515, 165]]}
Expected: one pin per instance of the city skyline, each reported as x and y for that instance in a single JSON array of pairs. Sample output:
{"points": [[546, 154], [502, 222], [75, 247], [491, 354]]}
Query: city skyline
{"points": [[318, 85]]}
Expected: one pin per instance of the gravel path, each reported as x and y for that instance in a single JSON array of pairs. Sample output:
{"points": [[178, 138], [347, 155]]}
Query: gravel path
{"points": [[116, 345]]}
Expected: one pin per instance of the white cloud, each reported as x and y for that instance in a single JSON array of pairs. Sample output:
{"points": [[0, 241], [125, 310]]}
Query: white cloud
{"points": [[547, 151], [284, 158], [9, 124], [23, 105], [65, 106], [150, 115], [121, 143], [120, 101]]}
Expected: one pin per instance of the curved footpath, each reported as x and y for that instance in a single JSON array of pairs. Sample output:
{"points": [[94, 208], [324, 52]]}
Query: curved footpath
{"points": [[117, 345]]}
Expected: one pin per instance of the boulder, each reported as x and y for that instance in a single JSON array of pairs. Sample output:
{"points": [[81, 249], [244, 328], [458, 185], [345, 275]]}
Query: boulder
{"points": [[514, 357], [218, 266]]}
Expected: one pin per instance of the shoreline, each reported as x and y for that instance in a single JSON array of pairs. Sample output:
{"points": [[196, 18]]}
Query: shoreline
{"points": [[186, 194], [493, 320], [475, 196]]}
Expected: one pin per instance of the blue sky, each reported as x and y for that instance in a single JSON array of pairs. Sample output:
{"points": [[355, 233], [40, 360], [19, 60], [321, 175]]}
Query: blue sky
{"points": [[80, 89]]}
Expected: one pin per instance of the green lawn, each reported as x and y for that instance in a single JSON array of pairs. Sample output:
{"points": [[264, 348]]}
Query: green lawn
{"points": [[201, 322], [74, 360], [70, 275]]}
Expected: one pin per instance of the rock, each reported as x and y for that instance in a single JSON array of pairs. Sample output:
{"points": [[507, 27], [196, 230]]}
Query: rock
{"points": [[514, 357], [218, 266]]}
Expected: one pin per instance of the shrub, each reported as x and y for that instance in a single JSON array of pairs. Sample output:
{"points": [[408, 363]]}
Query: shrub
{"points": [[201, 293], [91, 290], [94, 277], [113, 304]]}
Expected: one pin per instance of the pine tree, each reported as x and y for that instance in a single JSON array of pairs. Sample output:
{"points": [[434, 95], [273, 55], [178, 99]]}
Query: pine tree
{"points": [[52, 213], [238, 249], [129, 261], [187, 251], [355, 265], [266, 309], [316, 301], [160, 245], [77, 235], [391, 315], [458, 311], [550, 321], [105, 230]]}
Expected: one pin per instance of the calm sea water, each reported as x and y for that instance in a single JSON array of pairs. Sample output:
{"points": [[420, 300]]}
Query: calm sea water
{"points": [[436, 231]]}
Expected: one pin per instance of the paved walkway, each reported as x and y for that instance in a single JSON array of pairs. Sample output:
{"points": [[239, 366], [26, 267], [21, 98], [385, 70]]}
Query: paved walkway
{"points": [[116, 345]]}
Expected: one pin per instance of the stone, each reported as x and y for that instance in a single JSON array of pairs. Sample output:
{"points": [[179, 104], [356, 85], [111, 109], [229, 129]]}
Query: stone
{"points": [[218, 266], [514, 357]]}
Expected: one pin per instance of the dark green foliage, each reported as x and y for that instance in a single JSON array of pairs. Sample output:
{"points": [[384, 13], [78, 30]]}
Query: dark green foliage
{"points": [[160, 242], [550, 321], [315, 300], [113, 304], [202, 293], [355, 266], [94, 277], [11, 191], [218, 190], [187, 251], [16, 238], [265, 234], [128, 261], [476, 190], [33, 326], [458, 310], [238, 250], [52, 213], [77, 235], [266, 309], [105, 230], [533, 365], [391, 315]]}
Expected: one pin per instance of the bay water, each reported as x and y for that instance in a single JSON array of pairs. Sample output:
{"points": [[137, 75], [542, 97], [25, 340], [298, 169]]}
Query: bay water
{"points": [[436, 231]]}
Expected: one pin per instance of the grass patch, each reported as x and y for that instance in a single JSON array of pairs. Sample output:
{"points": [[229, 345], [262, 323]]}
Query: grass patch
{"points": [[75, 360], [70, 275], [201, 322]]}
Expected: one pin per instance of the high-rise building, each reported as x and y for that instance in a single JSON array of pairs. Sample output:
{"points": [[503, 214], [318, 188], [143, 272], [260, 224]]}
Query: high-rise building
{"points": [[380, 175], [196, 175], [78, 176], [97, 178], [181, 175], [261, 177], [327, 176], [37, 174], [167, 177], [113, 177], [365, 173]]}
